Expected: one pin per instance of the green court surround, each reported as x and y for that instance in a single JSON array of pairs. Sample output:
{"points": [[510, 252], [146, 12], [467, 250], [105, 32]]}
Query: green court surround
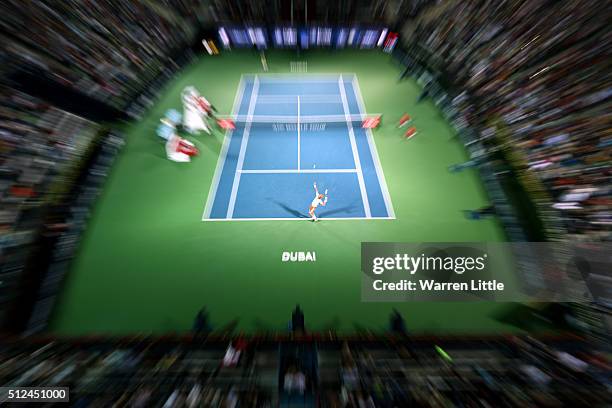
{"points": [[148, 263]]}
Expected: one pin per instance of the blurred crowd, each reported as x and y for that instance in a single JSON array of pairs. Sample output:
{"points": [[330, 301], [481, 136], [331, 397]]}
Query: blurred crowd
{"points": [[502, 373], [107, 49], [53, 161], [133, 372], [327, 371], [65, 225], [538, 73], [41, 148]]}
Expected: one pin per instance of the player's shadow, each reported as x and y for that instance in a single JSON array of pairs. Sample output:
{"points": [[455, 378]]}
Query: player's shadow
{"points": [[338, 210], [294, 212]]}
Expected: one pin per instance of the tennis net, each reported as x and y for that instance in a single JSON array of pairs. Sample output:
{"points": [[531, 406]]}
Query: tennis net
{"points": [[311, 121]]}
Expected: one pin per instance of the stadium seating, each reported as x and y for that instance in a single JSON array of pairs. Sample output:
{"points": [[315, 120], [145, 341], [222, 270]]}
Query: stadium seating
{"points": [[376, 369], [77, 44], [542, 96]]}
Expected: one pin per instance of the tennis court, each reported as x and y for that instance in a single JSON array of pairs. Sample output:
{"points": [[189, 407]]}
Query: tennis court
{"points": [[148, 263], [292, 131]]}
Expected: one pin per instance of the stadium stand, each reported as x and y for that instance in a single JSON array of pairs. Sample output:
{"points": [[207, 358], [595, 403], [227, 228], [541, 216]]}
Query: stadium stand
{"points": [[545, 104], [525, 95], [110, 50], [368, 370]]}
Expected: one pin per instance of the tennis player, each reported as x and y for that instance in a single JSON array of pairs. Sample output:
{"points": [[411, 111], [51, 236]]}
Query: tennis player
{"points": [[319, 199], [196, 109]]}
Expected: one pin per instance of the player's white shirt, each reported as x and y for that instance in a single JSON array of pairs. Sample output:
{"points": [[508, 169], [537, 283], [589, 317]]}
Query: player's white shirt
{"points": [[193, 117], [316, 202]]}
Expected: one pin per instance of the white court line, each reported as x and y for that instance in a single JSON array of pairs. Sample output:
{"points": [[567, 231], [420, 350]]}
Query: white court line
{"points": [[294, 171], [330, 80], [364, 196], [283, 77], [243, 146], [298, 131], [267, 119], [288, 76], [285, 96], [298, 219], [289, 98], [379, 170], [212, 192]]}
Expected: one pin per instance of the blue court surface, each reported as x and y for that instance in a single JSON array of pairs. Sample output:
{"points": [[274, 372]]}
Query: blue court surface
{"points": [[292, 131]]}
